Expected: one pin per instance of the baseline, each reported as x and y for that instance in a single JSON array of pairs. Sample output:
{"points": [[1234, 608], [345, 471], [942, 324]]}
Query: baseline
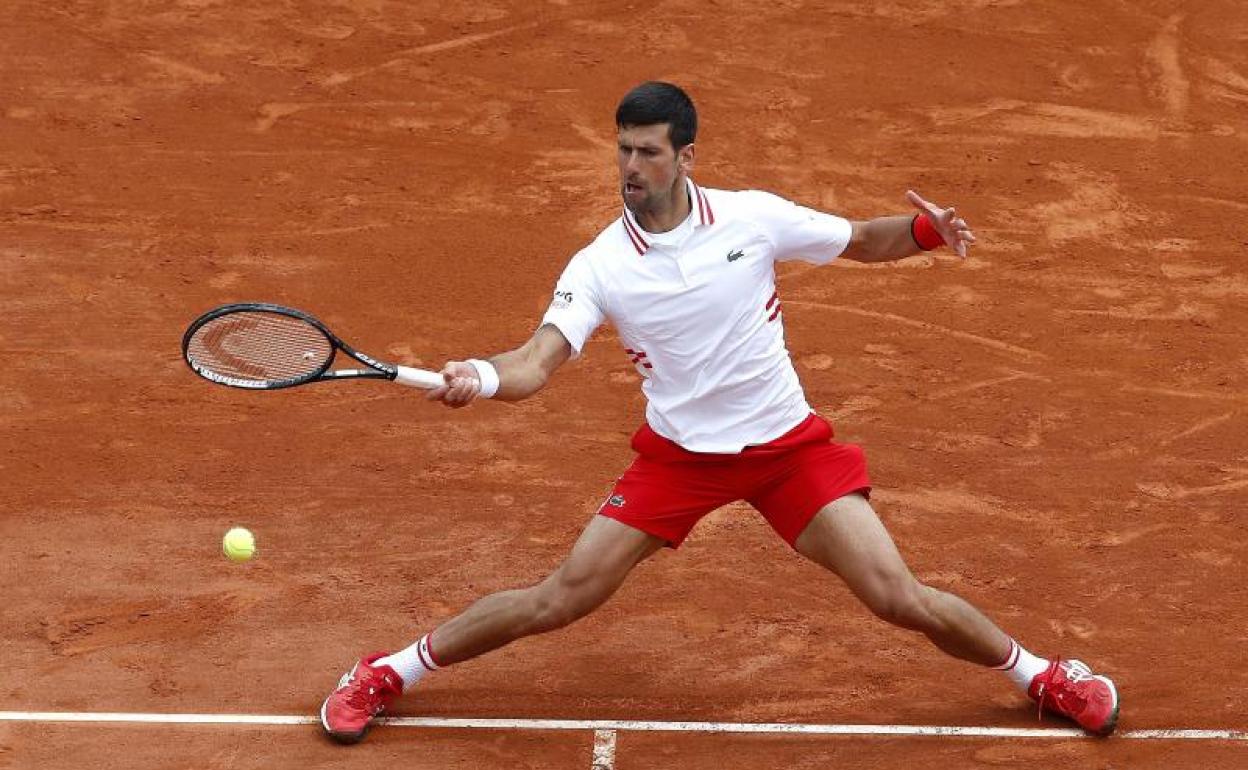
{"points": [[631, 725]]}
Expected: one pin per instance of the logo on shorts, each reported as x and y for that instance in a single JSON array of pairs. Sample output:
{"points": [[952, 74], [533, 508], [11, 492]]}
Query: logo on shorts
{"points": [[616, 500], [736, 254], [563, 299]]}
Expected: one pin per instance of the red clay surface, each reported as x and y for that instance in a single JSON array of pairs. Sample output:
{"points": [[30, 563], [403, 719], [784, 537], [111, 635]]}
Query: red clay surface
{"points": [[1055, 426]]}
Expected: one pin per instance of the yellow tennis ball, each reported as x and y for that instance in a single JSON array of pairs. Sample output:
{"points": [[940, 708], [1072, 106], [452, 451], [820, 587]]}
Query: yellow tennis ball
{"points": [[239, 544]]}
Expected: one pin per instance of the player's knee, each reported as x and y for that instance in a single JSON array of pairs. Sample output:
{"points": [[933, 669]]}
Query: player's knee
{"points": [[557, 604], [902, 602]]}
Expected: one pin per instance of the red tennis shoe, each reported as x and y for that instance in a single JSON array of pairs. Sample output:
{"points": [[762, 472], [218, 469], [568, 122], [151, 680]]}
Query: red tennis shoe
{"points": [[1068, 688], [362, 694]]}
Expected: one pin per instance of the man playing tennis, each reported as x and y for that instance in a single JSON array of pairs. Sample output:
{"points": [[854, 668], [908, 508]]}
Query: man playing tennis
{"points": [[686, 275]]}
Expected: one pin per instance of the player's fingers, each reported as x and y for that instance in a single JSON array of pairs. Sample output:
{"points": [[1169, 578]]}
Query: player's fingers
{"points": [[472, 387], [967, 235], [439, 393], [919, 203], [464, 390], [455, 395]]}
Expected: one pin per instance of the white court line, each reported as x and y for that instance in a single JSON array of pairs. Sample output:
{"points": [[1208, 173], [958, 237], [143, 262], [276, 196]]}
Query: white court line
{"points": [[604, 750], [627, 725]]}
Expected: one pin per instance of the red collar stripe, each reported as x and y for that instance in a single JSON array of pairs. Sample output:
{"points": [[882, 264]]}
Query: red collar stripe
{"points": [[639, 243], [706, 216]]}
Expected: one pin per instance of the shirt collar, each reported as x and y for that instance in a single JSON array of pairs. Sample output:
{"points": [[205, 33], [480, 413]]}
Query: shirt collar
{"points": [[699, 205]]}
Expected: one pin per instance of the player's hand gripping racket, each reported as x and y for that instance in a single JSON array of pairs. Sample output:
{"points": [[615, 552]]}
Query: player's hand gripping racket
{"points": [[263, 347]]}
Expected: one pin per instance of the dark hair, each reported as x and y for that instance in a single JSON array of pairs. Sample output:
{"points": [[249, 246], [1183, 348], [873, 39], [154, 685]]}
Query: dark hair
{"points": [[656, 102]]}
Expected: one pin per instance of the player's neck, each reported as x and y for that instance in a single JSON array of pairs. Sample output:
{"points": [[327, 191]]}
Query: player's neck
{"points": [[661, 220]]}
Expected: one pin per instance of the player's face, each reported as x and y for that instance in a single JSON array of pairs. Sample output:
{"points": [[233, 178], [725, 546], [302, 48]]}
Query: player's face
{"points": [[649, 167]]}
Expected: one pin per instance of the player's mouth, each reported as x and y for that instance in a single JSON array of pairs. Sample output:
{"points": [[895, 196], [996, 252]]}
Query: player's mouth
{"points": [[632, 188]]}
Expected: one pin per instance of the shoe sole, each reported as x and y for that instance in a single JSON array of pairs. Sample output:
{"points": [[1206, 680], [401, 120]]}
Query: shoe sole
{"points": [[346, 739]]}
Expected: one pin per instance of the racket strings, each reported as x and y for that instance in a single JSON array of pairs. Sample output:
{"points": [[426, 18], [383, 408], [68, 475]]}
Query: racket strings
{"points": [[259, 346]]}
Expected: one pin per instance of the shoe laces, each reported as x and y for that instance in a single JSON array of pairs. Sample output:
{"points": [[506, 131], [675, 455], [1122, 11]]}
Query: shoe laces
{"points": [[1064, 698], [362, 692]]}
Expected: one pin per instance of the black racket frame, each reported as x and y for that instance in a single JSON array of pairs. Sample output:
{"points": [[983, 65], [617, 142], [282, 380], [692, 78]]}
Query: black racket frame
{"points": [[378, 370]]}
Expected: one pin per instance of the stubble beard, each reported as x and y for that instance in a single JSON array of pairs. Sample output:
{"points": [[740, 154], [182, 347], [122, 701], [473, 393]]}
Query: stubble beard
{"points": [[651, 203]]}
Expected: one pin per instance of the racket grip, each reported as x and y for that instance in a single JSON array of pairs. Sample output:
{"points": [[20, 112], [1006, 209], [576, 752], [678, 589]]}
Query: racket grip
{"points": [[418, 378]]}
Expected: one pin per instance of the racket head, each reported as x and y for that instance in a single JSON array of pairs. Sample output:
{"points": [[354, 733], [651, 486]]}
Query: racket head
{"points": [[258, 346]]}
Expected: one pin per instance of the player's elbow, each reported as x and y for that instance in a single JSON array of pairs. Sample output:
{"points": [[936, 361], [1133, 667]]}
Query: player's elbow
{"points": [[862, 247], [868, 250], [875, 241], [863, 253], [535, 363]]}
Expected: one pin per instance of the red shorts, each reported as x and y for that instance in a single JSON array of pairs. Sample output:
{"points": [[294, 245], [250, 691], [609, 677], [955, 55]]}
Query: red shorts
{"points": [[668, 489]]}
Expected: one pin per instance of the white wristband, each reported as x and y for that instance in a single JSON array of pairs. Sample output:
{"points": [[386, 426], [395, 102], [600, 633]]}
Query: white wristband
{"points": [[488, 376]]}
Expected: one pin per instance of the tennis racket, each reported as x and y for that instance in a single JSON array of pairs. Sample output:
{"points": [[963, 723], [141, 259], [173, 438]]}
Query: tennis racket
{"points": [[258, 346]]}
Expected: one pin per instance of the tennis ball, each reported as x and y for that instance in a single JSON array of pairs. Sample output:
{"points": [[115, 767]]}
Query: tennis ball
{"points": [[239, 544]]}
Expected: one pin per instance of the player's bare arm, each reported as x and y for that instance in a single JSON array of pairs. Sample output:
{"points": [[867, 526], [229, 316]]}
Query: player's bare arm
{"points": [[521, 372], [885, 239]]}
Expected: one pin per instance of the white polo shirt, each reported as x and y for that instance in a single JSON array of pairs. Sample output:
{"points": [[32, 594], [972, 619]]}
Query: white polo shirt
{"points": [[698, 313]]}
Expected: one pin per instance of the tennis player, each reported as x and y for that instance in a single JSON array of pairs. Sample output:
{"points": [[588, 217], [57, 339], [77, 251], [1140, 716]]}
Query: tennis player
{"points": [[687, 277]]}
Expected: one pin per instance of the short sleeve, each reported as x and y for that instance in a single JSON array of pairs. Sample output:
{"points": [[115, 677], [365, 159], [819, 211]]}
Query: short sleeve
{"points": [[798, 232], [576, 309]]}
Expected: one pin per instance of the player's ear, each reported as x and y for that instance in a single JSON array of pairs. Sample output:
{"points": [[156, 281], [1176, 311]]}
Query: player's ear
{"points": [[685, 157]]}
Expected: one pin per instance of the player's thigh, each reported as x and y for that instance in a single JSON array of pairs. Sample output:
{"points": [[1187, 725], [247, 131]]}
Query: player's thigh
{"points": [[791, 489], [601, 559], [848, 538]]}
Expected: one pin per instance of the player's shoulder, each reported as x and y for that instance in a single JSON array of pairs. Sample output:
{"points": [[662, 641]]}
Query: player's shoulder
{"points": [[748, 205], [593, 260], [607, 246]]}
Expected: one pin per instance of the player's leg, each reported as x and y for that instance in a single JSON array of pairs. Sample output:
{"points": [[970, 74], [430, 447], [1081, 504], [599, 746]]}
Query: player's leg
{"points": [[602, 557], [657, 501], [848, 538], [813, 495], [597, 565]]}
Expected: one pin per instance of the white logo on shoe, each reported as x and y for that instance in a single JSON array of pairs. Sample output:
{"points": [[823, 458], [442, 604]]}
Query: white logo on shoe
{"points": [[1077, 671]]}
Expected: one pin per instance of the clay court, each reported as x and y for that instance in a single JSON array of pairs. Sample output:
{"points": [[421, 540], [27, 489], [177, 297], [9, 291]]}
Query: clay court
{"points": [[1055, 426]]}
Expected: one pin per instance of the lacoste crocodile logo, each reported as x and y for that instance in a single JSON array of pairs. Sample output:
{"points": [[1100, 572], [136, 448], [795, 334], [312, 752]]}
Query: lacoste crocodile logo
{"points": [[733, 256]]}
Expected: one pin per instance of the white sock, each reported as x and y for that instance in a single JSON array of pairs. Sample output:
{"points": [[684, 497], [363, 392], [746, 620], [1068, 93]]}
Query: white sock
{"points": [[411, 663], [1021, 666]]}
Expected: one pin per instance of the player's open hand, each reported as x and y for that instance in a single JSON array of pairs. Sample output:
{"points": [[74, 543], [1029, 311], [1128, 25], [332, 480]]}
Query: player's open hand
{"points": [[461, 385], [952, 228]]}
